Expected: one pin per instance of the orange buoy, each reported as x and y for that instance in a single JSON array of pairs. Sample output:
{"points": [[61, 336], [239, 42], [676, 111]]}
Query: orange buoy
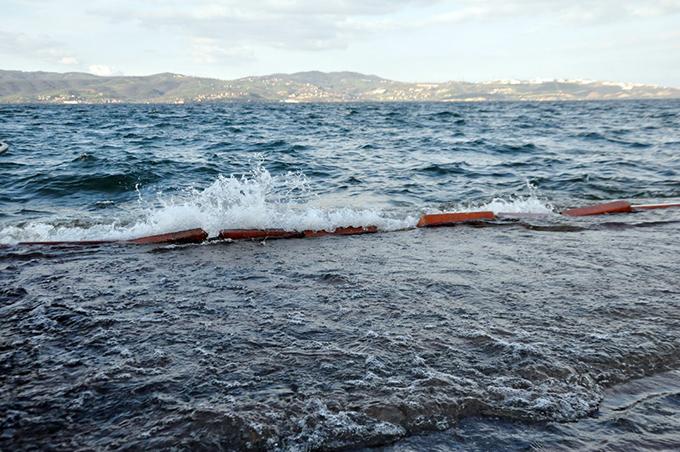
{"points": [[445, 219], [600, 209], [654, 206], [258, 234], [190, 236], [349, 230]]}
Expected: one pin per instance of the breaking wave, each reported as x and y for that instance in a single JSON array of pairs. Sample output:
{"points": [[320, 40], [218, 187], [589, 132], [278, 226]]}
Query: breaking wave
{"points": [[255, 200]]}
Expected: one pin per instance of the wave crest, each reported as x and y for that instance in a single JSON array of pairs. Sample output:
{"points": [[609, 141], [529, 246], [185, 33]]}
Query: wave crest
{"points": [[254, 200]]}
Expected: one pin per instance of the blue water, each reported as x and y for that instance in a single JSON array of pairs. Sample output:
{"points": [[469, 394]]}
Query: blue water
{"points": [[521, 334], [85, 166]]}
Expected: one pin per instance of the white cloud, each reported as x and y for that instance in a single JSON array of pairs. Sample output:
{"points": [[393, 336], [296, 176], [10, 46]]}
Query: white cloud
{"points": [[332, 24], [42, 46], [583, 12], [282, 24], [208, 51], [68, 60], [102, 70]]}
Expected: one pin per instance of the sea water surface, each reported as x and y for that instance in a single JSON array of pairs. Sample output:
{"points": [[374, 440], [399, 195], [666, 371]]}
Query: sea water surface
{"points": [[543, 332]]}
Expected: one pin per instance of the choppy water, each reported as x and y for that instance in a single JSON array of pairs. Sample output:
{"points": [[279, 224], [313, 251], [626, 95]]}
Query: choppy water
{"points": [[550, 332]]}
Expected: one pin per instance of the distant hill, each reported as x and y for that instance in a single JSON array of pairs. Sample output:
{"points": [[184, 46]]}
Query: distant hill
{"points": [[314, 86]]}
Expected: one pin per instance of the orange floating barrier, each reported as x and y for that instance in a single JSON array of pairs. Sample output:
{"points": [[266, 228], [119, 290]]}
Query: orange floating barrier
{"points": [[600, 209], [349, 230], [655, 206], [197, 235], [428, 220], [445, 219], [258, 234]]}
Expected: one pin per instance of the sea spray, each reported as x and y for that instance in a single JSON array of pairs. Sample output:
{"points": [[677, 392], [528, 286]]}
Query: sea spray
{"points": [[255, 200], [529, 201], [532, 202]]}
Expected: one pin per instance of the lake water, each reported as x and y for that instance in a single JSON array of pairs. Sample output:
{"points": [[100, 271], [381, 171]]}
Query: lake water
{"points": [[549, 331]]}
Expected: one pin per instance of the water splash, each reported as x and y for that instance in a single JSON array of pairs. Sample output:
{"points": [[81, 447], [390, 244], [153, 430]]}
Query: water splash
{"points": [[256, 200], [533, 202]]}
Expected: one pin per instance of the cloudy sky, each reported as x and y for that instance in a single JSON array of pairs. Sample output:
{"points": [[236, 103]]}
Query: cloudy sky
{"points": [[424, 40]]}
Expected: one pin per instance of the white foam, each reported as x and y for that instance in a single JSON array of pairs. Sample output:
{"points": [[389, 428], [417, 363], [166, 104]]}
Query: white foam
{"points": [[256, 200], [531, 202], [518, 205]]}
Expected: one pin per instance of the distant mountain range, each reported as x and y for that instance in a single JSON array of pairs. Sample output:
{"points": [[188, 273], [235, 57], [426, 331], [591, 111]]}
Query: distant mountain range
{"points": [[75, 87]]}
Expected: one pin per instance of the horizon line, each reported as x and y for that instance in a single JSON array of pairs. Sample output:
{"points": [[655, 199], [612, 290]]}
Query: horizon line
{"points": [[535, 80]]}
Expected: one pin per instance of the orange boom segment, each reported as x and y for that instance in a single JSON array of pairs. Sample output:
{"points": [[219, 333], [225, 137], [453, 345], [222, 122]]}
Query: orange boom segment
{"points": [[258, 234], [349, 230], [190, 236], [600, 209], [444, 219]]}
